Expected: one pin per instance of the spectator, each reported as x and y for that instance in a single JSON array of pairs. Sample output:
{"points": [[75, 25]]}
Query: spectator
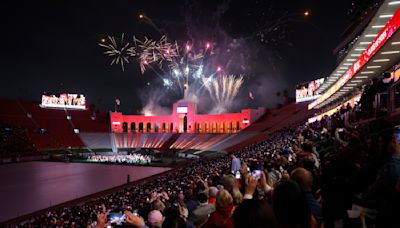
{"points": [[191, 205], [155, 219], [235, 164], [222, 217], [304, 178], [203, 211], [231, 186], [212, 194], [384, 190], [388, 175], [290, 205], [174, 222], [255, 214]]}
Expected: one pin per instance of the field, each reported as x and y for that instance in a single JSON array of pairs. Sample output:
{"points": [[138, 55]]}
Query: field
{"points": [[31, 186]]}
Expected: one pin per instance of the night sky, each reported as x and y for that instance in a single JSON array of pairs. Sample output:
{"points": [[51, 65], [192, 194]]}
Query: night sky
{"points": [[51, 46]]}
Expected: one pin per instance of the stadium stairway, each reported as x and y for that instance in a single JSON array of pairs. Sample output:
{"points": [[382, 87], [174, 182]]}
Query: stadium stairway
{"points": [[167, 144]]}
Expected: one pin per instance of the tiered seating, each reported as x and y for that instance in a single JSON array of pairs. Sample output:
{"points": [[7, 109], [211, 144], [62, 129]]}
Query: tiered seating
{"points": [[183, 141], [83, 121], [277, 116], [141, 140], [59, 130], [13, 114], [277, 120], [198, 141]]}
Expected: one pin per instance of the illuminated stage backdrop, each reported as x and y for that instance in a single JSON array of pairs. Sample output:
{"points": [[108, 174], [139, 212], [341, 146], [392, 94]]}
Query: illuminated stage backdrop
{"points": [[184, 118]]}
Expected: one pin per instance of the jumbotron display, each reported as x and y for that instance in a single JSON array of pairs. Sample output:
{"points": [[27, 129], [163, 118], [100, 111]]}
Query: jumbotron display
{"points": [[306, 91], [64, 100]]}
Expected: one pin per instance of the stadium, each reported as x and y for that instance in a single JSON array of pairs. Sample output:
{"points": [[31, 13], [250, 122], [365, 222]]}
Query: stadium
{"points": [[330, 157]]}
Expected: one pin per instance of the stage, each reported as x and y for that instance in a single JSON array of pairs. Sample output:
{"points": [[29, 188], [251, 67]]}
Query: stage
{"points": [[31, 186]]}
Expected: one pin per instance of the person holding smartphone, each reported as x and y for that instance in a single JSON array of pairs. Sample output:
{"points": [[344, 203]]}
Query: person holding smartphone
{"points": [[128, 218], [256, 181]]}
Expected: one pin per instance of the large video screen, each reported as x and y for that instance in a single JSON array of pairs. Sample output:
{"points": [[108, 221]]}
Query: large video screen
{"points": [[181, 110], [306, 91], [65, 100]]}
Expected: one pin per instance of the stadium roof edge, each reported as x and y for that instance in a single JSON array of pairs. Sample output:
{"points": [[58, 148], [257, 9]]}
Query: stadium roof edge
{"points": [[380, 54], [361, 44]]}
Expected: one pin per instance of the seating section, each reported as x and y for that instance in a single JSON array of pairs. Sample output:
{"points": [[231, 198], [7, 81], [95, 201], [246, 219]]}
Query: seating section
{"points": [[141, 140], [276, 119], [83, 121], [182, 141], [50, 128], [198, 141]]}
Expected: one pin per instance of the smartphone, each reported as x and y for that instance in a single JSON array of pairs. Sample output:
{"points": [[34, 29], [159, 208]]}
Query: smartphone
{"points": [[257, 174], [237, 175], [397, 133], [116, 218], [135, 212], [340, 130]]}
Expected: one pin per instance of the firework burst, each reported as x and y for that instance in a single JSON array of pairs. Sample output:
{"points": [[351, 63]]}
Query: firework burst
{"points": [[223, 89], [120, 52], [182, 69], [152, 51]]}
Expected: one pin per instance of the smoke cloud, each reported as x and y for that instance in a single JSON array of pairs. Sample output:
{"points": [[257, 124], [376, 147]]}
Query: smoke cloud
{"points": [[234, 54]]}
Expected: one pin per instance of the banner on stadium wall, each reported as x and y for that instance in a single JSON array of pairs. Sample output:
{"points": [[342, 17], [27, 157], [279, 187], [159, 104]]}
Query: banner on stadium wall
{"points": [[65, 100], [390, 28], [306, 91]]}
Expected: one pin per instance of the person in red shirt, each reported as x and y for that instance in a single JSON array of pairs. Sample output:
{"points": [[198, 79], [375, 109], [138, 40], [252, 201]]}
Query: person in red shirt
{"points": [[222, 217]]}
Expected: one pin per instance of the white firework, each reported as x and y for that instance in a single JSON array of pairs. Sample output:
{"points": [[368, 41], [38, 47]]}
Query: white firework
{"points": [[223, 89], [118, 51]]}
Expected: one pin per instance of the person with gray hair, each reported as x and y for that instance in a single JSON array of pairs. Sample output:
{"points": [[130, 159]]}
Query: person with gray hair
{"points": [[212, 194], [304, 178]]}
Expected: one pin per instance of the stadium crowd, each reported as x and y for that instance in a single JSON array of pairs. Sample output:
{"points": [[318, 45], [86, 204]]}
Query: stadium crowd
{"points": [[121, 158], [315, 175]]}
